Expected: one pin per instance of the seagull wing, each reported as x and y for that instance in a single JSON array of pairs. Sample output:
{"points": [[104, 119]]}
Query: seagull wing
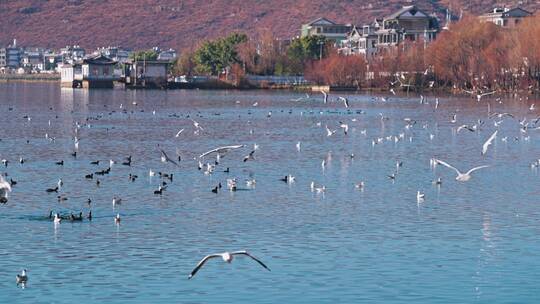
{"points": [[201, 264], [447, 165], [167, 157], [488, 142], [221, 150], [489, 93], [179, 132], [4, 185], [474, 169], [345, 101], [328, 132], [243, 252]]}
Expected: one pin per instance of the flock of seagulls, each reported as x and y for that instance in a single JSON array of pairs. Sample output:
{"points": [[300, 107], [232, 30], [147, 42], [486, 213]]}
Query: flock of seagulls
{"points": [[202, 163]]}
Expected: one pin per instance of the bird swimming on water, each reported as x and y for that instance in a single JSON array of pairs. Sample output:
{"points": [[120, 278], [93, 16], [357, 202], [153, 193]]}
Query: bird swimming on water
{"points": [[22, 278]]}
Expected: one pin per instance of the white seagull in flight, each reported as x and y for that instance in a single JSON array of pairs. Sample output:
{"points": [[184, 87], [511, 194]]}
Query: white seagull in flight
{"points": [[5, 188], [488, 142], [227, 257], [461, 177], [221, 150]]}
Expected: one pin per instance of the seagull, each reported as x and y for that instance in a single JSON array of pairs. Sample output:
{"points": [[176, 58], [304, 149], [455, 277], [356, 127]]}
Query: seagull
{"points": [[165, 158], [250, 156], [392, 91], [461, 177], [222, 150], [345, 101], [22, 278], [298, 146], [325, 96], [5, 188], [345, 127], [227, 257], [466, 127], [117, 219], [57, 218], [488, 142], [420, 196], [197, 125], [159, 190], [116, 201], [329, 132]]}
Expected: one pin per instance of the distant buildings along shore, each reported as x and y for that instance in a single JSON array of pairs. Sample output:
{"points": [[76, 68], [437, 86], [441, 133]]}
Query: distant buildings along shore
{"points": [[407, 24]]}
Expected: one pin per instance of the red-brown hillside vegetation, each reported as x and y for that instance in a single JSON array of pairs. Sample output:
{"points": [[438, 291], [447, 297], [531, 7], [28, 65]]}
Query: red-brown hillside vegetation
{"points": [[181, 23]]}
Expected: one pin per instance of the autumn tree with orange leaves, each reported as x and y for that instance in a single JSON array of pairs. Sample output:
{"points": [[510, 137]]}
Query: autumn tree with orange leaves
{"points": [[338, 70], [472, 54]]}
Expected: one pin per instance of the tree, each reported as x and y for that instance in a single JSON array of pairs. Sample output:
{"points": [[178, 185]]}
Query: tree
{"points": [[471, 54], [185, 64], [144, 55], [305, 49], [338, 70], [214, 56]]}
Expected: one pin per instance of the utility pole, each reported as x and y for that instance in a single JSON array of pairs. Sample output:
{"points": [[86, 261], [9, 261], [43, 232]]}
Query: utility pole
{"points": [[321, 43]]}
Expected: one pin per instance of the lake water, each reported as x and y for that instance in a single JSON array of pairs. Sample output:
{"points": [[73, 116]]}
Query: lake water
{"points": [[472, 242]]}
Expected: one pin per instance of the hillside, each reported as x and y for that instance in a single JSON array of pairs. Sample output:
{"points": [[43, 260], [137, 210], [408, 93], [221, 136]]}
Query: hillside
{"points": [[181, 23]]}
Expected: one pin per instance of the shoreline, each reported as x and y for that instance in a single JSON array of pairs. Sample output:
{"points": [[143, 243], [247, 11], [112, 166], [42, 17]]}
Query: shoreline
{"points": [[29, 78], [50, 78]]}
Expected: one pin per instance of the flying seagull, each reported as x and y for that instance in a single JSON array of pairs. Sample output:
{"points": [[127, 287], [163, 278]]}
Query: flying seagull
{"points": [[488, 142], [221, 150], [345, 101], [461, 177], [165, 158], [227, 257]]}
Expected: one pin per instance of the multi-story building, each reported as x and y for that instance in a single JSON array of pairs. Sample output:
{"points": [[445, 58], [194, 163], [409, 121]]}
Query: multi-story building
{"points": [[72, 54], [361, 41], [115, 53], [10, 57], [409, 23], [326, 28], [506, 17], [167, 55], [32, 59]]}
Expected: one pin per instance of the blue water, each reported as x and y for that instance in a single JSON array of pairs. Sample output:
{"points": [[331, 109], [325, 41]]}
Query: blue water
{"points": [[473, 242]]}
